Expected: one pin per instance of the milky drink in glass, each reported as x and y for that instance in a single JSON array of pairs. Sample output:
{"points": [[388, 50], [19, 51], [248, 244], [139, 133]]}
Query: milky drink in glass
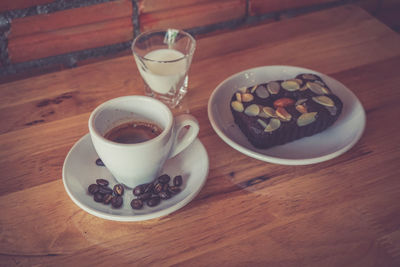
{"points": [[165, 70], [163, 58]]}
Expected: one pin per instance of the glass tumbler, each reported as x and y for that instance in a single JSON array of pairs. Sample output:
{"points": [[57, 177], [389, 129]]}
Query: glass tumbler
{"points": [[163, 58]]}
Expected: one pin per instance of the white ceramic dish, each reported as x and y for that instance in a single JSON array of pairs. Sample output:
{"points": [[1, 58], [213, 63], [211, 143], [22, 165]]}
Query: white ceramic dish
{"points": [[332, 142], [80, 170]]}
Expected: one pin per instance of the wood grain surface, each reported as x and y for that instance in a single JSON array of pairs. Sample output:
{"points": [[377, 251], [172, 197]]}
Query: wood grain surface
{"points": [[342, 212]]}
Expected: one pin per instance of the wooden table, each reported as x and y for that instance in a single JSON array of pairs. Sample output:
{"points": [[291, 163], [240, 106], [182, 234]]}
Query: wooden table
{"points": [[342, 212]]}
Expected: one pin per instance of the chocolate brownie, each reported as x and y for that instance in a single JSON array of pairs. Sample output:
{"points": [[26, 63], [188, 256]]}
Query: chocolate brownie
{"points": [[282, 111]]}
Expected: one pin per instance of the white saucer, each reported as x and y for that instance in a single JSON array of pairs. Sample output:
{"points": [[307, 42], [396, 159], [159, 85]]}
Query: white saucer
{"points": [[80, 170], [332, 142]]}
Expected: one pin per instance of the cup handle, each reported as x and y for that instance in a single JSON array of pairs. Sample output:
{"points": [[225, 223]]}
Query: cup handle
{"points": [[181, 142]]}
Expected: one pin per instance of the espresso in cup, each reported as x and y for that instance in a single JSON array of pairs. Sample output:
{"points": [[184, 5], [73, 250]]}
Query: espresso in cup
{"points": [[133, 132], [135, 135]]}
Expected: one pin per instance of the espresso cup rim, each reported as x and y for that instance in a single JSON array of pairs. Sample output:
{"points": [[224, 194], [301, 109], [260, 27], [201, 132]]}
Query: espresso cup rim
{"points": [[165, 131]]}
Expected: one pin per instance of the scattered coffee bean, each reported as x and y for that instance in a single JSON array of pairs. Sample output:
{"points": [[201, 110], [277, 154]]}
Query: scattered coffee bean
{"points": [[165, 195], [107, 199], [102, 182], [93, 189], [98, 197], [136, 204], [116, 201], [158, 187], [178, 180], [152, 193], [166, 188], [164, 179], [145, 196], [99, 162], [138, 190], [105, 190], [174, 190], [153, 201], [118, 189], [148, 188], [103, 193]]}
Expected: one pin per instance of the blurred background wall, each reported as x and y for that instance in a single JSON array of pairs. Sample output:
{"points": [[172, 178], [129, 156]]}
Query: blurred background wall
{"points": [[41, 36]]}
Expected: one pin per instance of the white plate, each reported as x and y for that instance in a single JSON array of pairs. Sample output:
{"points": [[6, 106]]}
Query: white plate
{"points": [[332, 142], [80, 171]]}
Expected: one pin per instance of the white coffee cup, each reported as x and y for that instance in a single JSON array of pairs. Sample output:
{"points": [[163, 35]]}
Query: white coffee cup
{"points": [[134, 164]]}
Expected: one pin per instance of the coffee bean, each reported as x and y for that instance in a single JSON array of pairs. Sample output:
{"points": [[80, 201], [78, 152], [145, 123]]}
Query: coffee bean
{"points": [[136, 204], [148, 188], [158, 187], [138, 190], [99, 162], [98, 197], [116, 201], [105, 190], [145, 196], [119, 189], [154, 201], [165, 188], [178, 180], [164, 195], [93, 189], [174, 190], [102, 182], [107, 198], [164, 179]]}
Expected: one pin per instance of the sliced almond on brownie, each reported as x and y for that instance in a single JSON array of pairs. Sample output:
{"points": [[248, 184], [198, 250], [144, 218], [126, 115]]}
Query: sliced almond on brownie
{"points": [[324, 100], [273, 88], [290, 85], [283, 114], [306, 118], [262, 92], [252, 110], [238, 106], [317, 88], [270, 112], [273, 125], [247, 97]]}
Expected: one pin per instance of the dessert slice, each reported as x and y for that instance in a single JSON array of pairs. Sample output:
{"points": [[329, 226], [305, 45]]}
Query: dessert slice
{"points": [[282, 111]]}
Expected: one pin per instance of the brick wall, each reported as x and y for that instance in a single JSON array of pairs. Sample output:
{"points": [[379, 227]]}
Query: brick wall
{"points": [[42, 35]]}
